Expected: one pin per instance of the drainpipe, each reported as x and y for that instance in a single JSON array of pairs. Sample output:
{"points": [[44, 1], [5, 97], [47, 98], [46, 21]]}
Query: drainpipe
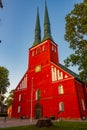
{"points": [[31, 100]]}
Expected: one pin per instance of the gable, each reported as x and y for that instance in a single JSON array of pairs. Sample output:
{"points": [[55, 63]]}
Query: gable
{"points": [[59, 73], [23, 83]]}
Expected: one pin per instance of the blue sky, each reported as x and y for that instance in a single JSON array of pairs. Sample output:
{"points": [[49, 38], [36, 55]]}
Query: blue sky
{"points": [[17, 24]]}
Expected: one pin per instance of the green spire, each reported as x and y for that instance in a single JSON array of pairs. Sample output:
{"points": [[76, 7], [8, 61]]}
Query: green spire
{"points": [[37, 38], [47, 30]]}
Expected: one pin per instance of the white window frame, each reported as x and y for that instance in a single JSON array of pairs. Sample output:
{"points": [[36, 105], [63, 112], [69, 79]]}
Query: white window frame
{"points": [[19, 109], [37, 51], [43, 48], [61, 106], [20, 97], [52, 48], [32, 53], [37, 96], [60, 89], [55, 49]]}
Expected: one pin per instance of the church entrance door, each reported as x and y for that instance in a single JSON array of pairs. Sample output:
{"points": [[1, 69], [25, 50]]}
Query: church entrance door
{"points": [[38, 111]]}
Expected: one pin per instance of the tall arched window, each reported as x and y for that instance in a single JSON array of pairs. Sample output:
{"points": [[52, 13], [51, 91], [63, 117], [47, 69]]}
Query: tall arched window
{"points": [[61, 106], [38, 94], [43, 48], [20, 97], [19, 109], [32, 53], [60, 89]]}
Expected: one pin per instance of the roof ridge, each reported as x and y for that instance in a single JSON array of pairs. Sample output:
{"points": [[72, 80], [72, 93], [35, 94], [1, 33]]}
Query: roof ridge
{"points": [[70, 72]]}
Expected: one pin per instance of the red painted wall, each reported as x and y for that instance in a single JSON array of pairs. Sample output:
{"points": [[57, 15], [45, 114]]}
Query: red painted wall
{"points": [[81, 96], [70, 100]]}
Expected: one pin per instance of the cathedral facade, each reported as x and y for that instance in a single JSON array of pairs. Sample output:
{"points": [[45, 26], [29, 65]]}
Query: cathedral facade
{"points": [[48, 89]]}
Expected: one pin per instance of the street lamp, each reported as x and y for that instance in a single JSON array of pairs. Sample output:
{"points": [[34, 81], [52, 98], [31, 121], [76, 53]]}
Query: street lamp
{"points": [[31, 99]]}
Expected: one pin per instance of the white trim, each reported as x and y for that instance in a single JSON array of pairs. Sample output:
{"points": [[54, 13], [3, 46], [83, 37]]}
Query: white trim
{"points": [[52, 73], [38, 45], [60, 89], [55, 74], [54, 44], [61, 106], [61, 69]]}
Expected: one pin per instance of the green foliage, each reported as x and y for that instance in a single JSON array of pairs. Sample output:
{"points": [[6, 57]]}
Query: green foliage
{"points": [[1, 5], [76, 35], [1, 99], [4, 80], [9, 99]]}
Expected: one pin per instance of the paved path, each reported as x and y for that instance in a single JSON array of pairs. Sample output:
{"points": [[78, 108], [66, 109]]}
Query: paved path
{"points": [[10, 122]]}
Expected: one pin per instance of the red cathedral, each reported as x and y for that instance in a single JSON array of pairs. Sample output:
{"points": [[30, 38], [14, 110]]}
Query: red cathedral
{"points": [[48, 89]]}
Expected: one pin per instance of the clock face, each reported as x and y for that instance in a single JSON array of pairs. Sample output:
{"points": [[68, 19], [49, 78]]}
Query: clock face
{"points": [[38, 68]]}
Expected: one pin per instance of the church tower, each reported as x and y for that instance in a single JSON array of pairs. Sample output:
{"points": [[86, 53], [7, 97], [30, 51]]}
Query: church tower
{"points": [[46, 50]]}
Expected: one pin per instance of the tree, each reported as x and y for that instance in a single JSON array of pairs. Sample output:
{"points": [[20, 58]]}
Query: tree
{"points": [[9, 99], [4, 80], [1, 5], [76, 35], [1, 99]]}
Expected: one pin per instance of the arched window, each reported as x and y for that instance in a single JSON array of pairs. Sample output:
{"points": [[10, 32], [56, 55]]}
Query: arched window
{"points": [[38, 94], [19, 109], [37, 51], [43, 48], [60, 89], [61, 106], [20, 97], [32, 53], [55, 49], [52, 48]]}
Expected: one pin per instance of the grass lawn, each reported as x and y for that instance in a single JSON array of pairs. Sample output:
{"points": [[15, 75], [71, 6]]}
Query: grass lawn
{"points": [[56, 126]]}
